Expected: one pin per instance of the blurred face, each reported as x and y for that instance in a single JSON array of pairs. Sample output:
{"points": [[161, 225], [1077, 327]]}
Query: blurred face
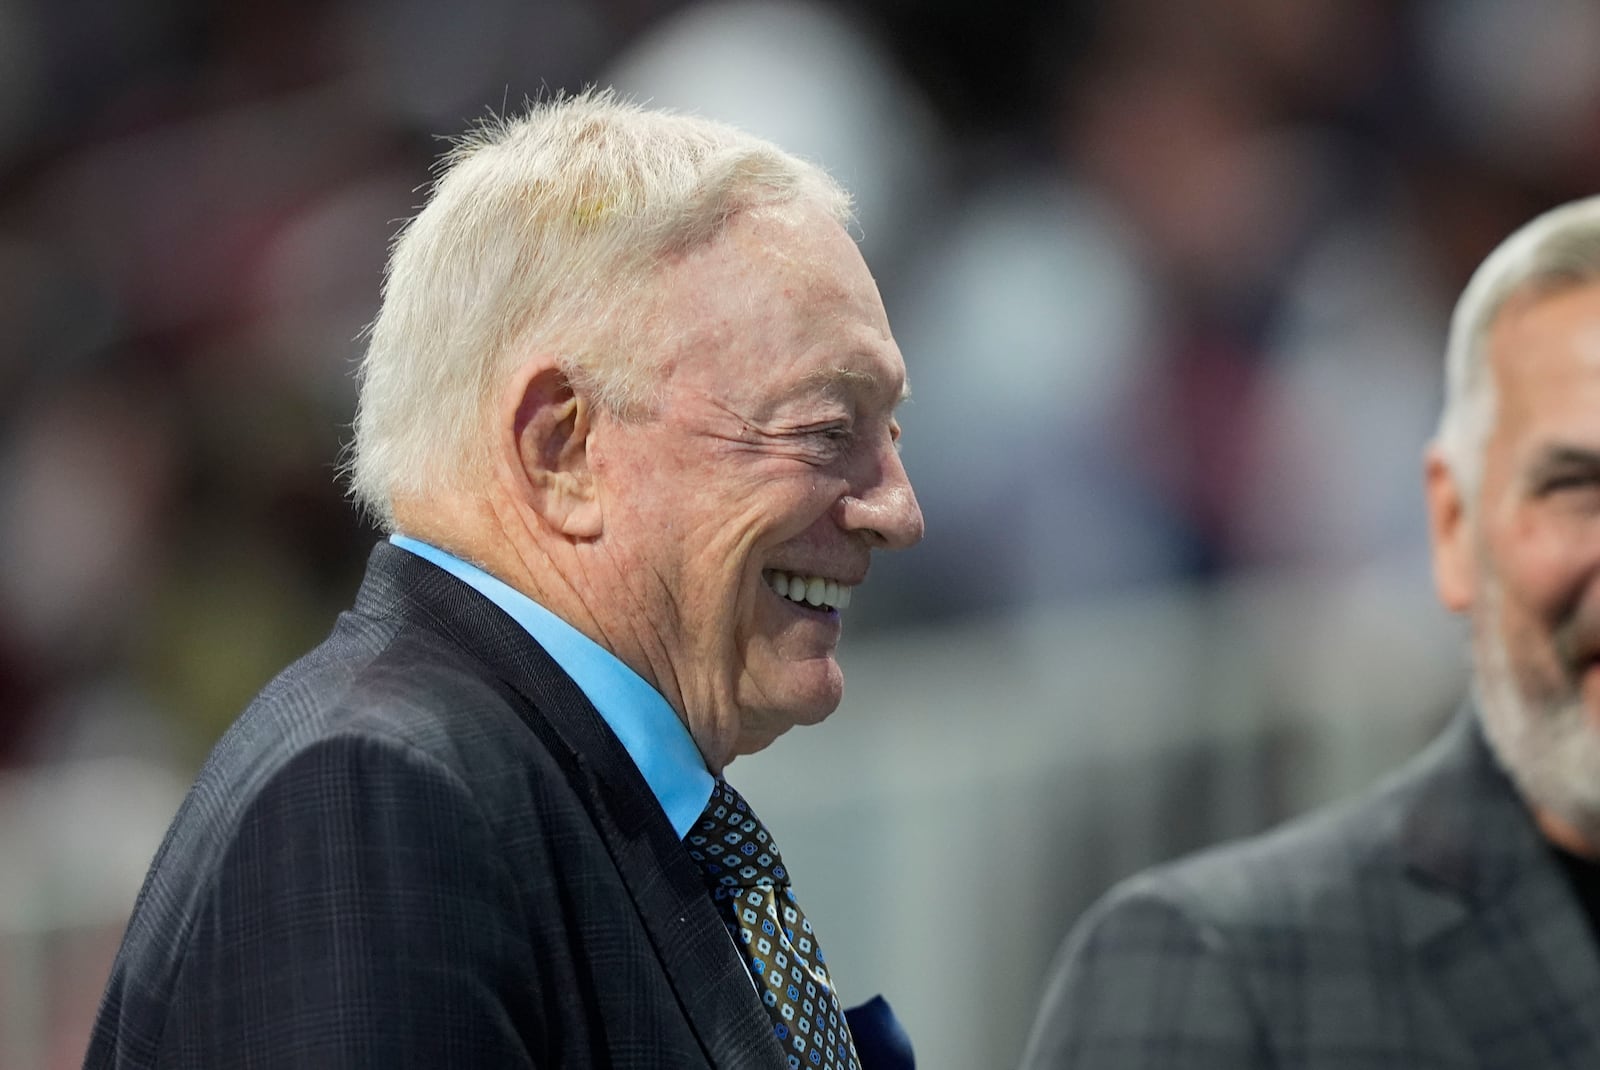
{"points": [[1527, 557], [741, 515]]}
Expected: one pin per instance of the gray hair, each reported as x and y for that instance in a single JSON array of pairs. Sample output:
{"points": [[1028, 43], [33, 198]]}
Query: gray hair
{"points": [[544, 233], [1556, 251]]}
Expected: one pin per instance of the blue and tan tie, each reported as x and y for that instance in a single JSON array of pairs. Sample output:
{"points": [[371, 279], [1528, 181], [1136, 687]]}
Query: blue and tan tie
{"points": [[747, 879]]}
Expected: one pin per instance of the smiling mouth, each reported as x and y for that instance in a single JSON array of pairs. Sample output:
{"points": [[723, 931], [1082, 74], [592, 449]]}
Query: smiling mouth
{"points": [[818, 592]]}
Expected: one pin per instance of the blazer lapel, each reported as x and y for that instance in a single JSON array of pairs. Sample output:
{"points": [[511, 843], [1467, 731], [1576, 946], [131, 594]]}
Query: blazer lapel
{"points": [[712, 984], [1493, 920]]}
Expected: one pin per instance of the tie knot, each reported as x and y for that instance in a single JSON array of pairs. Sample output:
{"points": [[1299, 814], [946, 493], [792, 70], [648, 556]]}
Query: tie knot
{"points": [[732, 846]]}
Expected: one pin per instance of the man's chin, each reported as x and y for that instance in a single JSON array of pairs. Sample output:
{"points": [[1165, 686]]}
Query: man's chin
{"points": [[806, 710], [804, 694], [821, 691], [1552, 753]]}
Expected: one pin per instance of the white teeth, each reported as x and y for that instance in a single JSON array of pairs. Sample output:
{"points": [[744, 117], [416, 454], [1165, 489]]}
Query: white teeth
{"points": [[812, 590]]}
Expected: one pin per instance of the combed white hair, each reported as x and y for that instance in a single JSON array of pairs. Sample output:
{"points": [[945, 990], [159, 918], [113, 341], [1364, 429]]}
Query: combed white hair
{"points": [[543, 234], [1553, 252]]}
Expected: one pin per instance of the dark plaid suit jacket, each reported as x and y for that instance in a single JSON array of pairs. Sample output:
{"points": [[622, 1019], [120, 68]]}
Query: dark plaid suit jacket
{"points": [[421, 847], [1424, 925]]}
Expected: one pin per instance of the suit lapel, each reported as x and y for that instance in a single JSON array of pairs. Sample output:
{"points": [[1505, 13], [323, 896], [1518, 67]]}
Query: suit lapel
{"points": [[1493, 920], [712, 985], [711, 981]]}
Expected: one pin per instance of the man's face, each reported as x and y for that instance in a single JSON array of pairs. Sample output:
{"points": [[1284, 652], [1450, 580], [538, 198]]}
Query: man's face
{"points": [[1529, 555], [771, 459]]}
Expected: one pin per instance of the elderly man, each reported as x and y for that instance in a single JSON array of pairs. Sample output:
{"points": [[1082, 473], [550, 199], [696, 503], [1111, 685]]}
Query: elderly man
{"points": [[1449, 917], [629, 411]]}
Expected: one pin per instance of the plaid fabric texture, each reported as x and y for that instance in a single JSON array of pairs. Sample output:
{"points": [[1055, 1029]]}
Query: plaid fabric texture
{"points": [[1424, 925], [420, 847]]}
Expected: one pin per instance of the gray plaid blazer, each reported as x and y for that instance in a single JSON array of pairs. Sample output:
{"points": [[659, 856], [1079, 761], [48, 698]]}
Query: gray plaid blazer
{"points": [[421, 847], [1422, 925]]}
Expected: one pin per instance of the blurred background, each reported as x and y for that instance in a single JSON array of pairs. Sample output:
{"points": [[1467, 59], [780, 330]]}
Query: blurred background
{"points": [[1171, 278]]}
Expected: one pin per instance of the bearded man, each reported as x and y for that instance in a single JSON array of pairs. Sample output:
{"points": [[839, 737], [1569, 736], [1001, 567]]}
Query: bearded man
{"points": [[1449, 917]]}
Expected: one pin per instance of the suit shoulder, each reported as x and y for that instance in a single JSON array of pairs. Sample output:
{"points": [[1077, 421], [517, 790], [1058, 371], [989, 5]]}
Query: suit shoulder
{"points": [[380, 680], [394, 698], [383, 723], [1323, 865]]}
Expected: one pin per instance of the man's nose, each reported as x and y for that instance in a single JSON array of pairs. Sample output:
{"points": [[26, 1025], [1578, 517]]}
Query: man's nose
{"points": [[887, 508]]}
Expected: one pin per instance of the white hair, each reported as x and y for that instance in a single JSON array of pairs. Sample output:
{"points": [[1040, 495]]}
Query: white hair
{"points": [[543, 233], [1555, 251]]}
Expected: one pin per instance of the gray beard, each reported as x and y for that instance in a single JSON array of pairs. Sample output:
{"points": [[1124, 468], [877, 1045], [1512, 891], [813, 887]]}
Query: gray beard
{"points": [[1547, 747]]}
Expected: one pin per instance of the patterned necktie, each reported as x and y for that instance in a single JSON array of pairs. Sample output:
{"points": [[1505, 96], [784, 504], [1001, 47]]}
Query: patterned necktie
{"points": [[745, 873]]}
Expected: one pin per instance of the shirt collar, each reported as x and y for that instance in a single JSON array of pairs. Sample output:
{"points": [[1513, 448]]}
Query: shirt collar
{"points": [[650, 730]]}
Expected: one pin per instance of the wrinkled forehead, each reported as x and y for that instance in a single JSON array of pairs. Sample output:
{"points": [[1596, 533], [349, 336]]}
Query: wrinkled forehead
{"points": [[783, 283], [1544, 355], [1545, 331], [1586, 345], [806, 251]]}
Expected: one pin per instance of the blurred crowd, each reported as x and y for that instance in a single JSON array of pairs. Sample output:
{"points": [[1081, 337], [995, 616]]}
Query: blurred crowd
{"points": [[1171, 280]]}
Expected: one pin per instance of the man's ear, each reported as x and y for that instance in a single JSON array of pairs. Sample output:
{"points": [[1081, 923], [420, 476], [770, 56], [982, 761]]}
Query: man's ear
{"points": [[1455, 563], [544, 455]]}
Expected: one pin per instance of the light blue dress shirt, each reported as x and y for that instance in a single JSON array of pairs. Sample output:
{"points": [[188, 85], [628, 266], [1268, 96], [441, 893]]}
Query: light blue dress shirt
{"points": [[650, 730]]}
